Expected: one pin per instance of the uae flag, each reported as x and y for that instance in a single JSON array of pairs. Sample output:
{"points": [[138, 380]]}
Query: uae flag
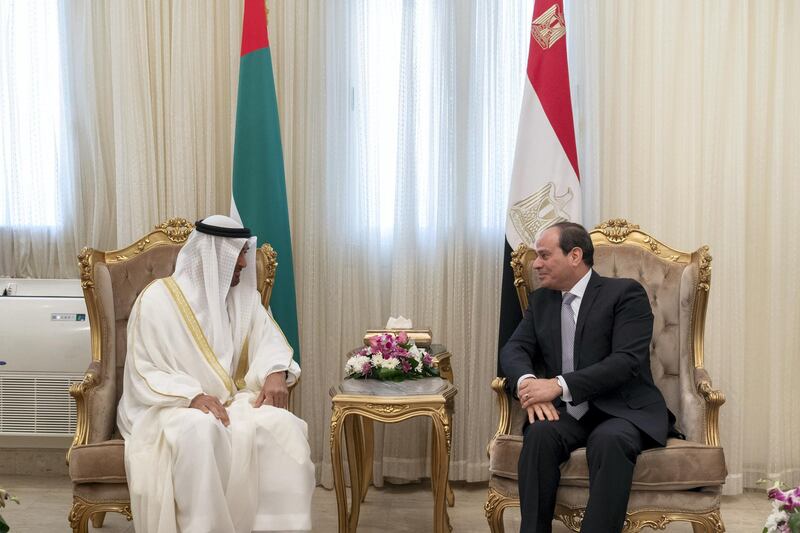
{"points": [[545, 183], [259, 187]]}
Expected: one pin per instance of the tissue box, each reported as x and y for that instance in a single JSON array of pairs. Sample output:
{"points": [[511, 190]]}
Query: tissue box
{"points": [[421, 337]]}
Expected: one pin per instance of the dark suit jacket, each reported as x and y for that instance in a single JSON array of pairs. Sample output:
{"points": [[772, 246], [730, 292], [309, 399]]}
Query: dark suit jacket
{"points": [[612, 351]]}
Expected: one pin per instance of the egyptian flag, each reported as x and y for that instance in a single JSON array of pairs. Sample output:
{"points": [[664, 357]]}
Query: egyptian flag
{"points": [[259, 187], [545, 183]]}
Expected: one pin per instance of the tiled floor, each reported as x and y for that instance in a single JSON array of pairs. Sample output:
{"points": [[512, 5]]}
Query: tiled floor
{"points": [[402, 509]]}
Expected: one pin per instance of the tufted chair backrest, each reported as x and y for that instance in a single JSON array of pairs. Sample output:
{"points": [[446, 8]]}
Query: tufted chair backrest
{"points": [[111, 283], [677, 284]]}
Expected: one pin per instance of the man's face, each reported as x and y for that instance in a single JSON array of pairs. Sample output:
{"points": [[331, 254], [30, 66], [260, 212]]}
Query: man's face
{"points": [[556, 270], [241, 263]]}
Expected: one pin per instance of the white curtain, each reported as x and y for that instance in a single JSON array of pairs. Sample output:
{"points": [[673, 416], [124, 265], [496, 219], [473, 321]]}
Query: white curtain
{"points": [[38, 193], [174, 73], [133, 104], [414, 199], [398, 166], [694, 106], [685, 125]]}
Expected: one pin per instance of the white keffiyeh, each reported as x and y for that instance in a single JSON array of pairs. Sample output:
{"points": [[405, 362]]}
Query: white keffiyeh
{"points": [[204, 270]]}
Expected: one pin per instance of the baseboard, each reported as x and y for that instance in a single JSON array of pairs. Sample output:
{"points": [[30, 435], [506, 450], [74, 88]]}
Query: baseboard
{"points": [[33, 461]]}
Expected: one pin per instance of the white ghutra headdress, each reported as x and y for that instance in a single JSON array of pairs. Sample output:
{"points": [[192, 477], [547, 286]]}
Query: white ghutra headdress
{"points": [[204, 271]]}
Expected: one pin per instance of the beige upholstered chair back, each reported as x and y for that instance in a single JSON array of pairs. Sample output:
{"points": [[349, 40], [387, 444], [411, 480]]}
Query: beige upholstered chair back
{"points": [[111, 283], [677, 284]]}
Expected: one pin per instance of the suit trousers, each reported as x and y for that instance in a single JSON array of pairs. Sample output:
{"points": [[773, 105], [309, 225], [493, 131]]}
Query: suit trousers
{"points": [[612, 446]]}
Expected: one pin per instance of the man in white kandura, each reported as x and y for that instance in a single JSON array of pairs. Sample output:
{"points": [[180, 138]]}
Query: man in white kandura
{"points": [[209, 444]]}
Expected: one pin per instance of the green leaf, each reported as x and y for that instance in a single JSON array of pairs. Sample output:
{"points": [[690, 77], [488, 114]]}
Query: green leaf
{"points": [[388, 374], [794, 522], [429, 371], [3, 526]]}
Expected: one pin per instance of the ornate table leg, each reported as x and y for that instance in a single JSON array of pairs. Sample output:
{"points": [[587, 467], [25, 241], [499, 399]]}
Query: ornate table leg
{"points": [[337, 419], [440, 466], [448, 430], [367, 454], [451, 498], [353, 438]]}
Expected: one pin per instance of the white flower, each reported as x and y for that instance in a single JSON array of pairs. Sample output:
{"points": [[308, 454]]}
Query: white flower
{"points": [[415, 352], [379, 362], [355, 364], [777, 517]]}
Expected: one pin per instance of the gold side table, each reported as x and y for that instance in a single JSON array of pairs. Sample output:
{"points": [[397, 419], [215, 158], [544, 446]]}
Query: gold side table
{"points": [[441, 362], [355, 401]]}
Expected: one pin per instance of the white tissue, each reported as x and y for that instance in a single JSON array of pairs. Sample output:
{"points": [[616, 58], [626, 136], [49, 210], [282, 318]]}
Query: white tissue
{"points": [[399, 322]]}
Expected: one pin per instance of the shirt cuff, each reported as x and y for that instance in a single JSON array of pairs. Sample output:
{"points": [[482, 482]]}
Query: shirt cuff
{"points": [[292, 373], [565, 394], [519, 382]]}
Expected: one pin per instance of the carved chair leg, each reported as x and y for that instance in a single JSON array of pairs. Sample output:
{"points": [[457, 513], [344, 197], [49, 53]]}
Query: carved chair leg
{"points": [[495, 519], [79, 517], [494, 508], [712, 523], [709, 523], [98, 519], [83, 510]]}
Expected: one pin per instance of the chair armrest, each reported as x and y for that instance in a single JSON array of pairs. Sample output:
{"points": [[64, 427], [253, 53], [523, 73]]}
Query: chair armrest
{"points": [[504, 423], [80, 391], [714, 399], [291, 386]]}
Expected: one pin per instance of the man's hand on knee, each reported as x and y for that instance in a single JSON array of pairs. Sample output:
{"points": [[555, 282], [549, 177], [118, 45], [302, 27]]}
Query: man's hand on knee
{"points": [[542, 411], [274, 392], [534, 390], [211, 404]]}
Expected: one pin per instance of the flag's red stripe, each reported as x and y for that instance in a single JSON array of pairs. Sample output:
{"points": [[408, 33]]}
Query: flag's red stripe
{"points": [[254, 26], [548, 73]]}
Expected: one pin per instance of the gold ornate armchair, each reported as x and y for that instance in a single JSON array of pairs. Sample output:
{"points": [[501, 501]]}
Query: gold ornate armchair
{"points": [[681, 482], [111, 282]]}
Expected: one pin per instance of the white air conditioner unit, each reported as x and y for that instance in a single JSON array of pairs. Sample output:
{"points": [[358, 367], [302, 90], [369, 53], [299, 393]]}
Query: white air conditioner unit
{"points": [[44, 347]]}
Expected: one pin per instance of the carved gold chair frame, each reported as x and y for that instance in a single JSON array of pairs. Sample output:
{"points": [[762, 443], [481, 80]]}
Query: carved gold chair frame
{"points": [[611, 233], [173, 231]]}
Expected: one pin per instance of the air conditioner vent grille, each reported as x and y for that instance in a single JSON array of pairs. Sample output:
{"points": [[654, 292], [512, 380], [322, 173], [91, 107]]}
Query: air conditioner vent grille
{"points": [[37, 403]]}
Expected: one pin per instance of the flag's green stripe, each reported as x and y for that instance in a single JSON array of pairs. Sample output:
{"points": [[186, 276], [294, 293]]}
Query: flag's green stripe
{"points": [[259, 187]]}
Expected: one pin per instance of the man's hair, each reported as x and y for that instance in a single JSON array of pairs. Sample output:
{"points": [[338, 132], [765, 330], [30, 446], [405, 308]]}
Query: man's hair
{"points": [[575, 236]]}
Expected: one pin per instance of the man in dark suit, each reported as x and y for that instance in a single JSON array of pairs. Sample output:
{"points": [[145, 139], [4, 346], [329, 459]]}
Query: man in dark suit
{"points": [[579, 362]]}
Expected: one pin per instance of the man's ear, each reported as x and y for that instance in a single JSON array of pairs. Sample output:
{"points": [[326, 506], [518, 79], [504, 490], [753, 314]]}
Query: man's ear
{"points": [[576, 256]]}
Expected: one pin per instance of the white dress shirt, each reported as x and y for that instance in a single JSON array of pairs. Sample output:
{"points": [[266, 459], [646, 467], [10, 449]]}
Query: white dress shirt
{"points": [[577, 290]]}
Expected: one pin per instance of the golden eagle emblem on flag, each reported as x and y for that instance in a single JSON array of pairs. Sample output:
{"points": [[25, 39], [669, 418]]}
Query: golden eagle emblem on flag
{"points": [[539, 211], [549, 27]]}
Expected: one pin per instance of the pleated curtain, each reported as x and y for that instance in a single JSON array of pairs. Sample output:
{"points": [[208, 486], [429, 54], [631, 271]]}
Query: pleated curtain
{"points": [[398, 122]]}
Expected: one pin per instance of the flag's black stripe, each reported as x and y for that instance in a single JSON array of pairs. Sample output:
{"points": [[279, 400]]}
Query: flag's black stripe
{"points": [[510, 313]]}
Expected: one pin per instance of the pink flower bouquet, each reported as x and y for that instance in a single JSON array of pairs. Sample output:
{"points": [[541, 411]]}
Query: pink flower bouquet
{"points": [[785, 516], [390, 358]]}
